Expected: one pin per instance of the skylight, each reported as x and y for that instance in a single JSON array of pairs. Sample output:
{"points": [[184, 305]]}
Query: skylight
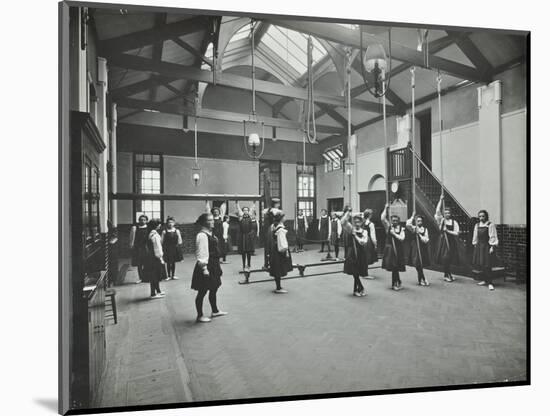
{"points": [[242, 33], [291, 47]]}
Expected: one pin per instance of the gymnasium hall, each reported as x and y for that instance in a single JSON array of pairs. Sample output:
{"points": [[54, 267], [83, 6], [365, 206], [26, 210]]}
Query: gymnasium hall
{"points": [[266, 206]]}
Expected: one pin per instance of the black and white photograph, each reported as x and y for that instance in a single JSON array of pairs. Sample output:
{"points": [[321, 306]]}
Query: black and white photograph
{"points": [[260, 207]]}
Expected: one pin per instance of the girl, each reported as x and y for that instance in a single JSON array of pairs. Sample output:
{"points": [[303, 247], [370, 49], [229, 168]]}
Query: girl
{"points": [[301, 230], [419, 255], [324, 230], [392, 260], [447, 252], [485, 240], [171, 242], [335, 234], [218, 214], [248, 230], [225, 236], [280, 262], [155, 264], [138, 243], [356, 263], [207, 273], [370, 247]]}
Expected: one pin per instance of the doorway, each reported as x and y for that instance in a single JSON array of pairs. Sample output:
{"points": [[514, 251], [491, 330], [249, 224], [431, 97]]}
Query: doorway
{"points": [[335, 204]]}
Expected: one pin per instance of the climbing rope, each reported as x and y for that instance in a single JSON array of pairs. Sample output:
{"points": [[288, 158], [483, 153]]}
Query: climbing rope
{"points": [[311, 128]]}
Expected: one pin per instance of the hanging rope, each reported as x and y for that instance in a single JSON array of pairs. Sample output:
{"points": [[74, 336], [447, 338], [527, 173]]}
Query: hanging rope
{"points": [[385, 139], [413, 173], [310, 116], [440, 126]]}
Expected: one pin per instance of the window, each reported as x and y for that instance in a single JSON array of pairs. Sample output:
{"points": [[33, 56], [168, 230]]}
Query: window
{"points": [[306, 189], [90, 209], [334, 158], [148, 180]]}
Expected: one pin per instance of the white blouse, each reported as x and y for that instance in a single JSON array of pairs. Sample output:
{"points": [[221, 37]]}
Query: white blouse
{"points": [[157, 244], [413, 228], [493, 236], [282, 242], [201, 247]]}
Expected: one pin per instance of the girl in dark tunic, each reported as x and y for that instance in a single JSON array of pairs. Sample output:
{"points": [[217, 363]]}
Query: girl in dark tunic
{"points": [[301, 230], [485, 241], [356, 263], [155, 264], [280, 262], [248, 231], [171, 243], [335, 234], [138, 243], [447, 253], [324, 231], [419, 255], [393, 259], [370, 247], [218, 214], [207, 273]]}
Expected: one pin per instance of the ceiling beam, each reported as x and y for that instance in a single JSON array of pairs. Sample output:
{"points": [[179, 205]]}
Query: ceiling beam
{"points": [[156, 55], [349, 37], [205, 113], [193, 51], [335, 115], [146, 37], [172, 70], [472, 52]]}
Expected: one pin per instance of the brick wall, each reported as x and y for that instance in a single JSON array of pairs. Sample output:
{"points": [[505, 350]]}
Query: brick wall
{"points": [[509, 237]]}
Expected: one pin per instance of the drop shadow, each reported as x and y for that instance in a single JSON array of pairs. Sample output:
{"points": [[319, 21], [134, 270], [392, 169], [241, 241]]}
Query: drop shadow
{"points": [[49, 404]]}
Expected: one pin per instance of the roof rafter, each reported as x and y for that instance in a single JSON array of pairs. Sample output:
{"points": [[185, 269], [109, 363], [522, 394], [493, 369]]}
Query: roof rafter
{"points": [[350, 37], [194, 74], [472, 52], [146, 37]]}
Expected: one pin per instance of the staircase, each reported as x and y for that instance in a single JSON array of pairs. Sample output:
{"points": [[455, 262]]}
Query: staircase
{"points": [[428, 189]]}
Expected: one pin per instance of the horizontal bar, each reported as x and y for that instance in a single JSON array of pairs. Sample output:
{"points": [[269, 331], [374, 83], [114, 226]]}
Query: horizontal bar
{"points": [[184, 197]]}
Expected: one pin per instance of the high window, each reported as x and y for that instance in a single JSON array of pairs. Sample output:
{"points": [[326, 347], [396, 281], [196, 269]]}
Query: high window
{"points": [[306, 189], [334, 157], [148, 180]]}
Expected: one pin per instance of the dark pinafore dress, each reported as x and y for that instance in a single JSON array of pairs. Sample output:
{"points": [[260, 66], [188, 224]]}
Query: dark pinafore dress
{"points": [[370, 249], [139, 251], [356, 262], [279, 263], [201, 282], [247, 234], [393, 259], [334, 239], [483, 260], [218, 232], [447, 250], [419, 254], [323, 230], [301, 230], [170, 247]]}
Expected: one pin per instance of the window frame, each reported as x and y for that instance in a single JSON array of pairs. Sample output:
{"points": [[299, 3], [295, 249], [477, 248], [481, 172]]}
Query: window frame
{"points": [[330, 165], [311, 199], [138, 166]]}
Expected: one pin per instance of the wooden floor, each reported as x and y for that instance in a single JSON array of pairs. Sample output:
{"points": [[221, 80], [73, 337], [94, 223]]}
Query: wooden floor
{"points": [[315, 339]]}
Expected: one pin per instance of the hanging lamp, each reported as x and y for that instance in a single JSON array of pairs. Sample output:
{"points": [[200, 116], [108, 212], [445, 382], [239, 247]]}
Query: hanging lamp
{"points": [[253, 130], [196, 170], [375, 61]]}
